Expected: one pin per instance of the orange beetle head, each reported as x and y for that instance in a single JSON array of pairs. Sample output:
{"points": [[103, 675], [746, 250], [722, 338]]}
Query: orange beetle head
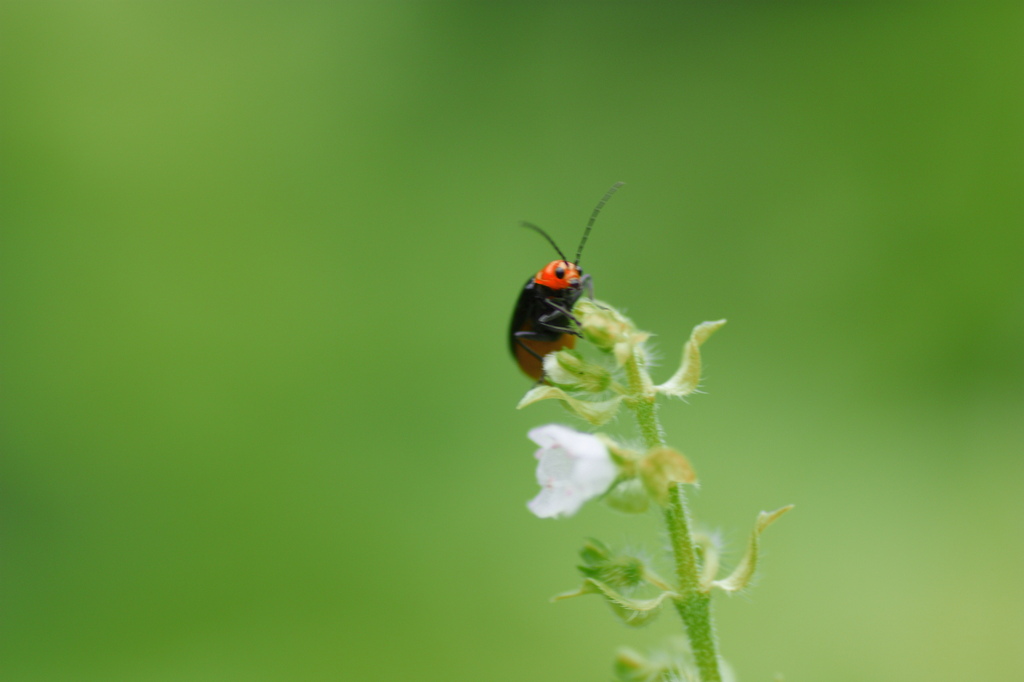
{"points": [[559, 274]]}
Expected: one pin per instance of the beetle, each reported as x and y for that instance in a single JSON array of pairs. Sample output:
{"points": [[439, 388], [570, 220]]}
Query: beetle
{"points": [[542, 321]]}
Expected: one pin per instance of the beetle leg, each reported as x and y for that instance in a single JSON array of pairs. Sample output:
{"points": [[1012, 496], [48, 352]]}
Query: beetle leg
{"points": [[546, 335], [542, 321], [559, 310]]}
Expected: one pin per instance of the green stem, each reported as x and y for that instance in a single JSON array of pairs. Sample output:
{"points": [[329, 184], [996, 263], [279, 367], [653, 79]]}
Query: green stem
{"points": [[693, 603], [641, 399]]}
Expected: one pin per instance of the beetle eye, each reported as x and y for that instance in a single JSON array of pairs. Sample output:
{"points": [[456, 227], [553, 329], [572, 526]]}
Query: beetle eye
{"points": [[560, 272]]}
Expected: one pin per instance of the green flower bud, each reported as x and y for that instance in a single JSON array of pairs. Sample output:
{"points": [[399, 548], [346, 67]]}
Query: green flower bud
{"points": [[620, 571], [595, 552], [670, 664], [631, 666], [567, 369], [628, 497], [604, 326], [617, 570]]}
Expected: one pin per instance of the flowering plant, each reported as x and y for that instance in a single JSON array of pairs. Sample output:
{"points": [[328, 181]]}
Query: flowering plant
{"points": [[574, 467]]}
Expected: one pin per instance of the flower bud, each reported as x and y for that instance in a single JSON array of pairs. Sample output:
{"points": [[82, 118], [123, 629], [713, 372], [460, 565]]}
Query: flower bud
{"points": [[628, 497], [604, 326], [614, 570], [568, 369], [631, 666]]}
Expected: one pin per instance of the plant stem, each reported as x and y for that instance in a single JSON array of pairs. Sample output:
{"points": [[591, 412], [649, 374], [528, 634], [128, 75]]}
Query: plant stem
{"points": [[693, 603]]}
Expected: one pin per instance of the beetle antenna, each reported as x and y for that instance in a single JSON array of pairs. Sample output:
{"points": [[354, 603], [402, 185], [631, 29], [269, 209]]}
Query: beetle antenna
{"points": [[593, 217], [546, 236]]}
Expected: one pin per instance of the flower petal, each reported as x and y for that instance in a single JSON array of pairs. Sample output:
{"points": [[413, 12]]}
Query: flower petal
{"points": [[572, 468]]}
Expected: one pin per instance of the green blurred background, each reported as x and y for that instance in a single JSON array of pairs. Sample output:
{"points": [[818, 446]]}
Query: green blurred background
{"points": [[257, 262]]}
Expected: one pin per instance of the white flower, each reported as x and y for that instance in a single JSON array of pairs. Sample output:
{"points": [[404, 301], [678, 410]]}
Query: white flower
{"points": [[573, 467]]}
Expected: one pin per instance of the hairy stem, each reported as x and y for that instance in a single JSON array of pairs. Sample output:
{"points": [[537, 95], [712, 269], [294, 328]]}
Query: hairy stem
{"points": [[693, 603]]}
